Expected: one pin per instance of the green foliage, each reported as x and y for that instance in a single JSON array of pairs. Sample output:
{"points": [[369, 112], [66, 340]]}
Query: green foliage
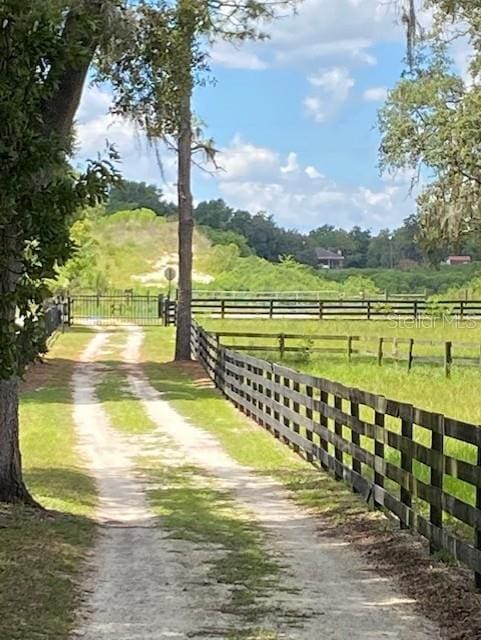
{"points": [[39, 193], [431, 124], [255, 274], [360, 285], [138, 195], [218, 237], [417, 279]]}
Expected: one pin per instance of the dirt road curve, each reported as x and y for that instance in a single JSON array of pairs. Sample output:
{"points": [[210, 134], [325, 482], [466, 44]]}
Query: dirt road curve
{"points": [[143, 585]]}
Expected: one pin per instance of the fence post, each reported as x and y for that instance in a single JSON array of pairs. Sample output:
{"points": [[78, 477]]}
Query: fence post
{"points": [[415, 309], [349, 348], [338, 453], [259, 387], [296, 408], [160, 307], [277, 380], [69, 311], [286, 402], [410, 354], [222, 308], [321, 309], [477, 529], [271, 308], [436, 509], [378, 445], [448, 358], [268, 393], [324, 398], [407, 462], [380, 353], [309, 394], [282, 345], [355, 438], [368, 309], [461, 309]]}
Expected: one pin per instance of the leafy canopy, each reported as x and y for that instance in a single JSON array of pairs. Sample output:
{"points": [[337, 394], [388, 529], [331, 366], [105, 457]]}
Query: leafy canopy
{"points": [[39, 192], [431, 125]]}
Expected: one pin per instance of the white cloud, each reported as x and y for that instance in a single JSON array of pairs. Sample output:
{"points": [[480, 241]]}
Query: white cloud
{"points": [[312, 172], [139, 161], [292, 164], [243, 158], [332, 88], [230, 56], [375, 94], [255, 177], [300, 196]]}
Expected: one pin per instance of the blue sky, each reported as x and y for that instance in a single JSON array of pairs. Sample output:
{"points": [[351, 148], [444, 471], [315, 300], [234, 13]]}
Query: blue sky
{"points": [[293, 117]]}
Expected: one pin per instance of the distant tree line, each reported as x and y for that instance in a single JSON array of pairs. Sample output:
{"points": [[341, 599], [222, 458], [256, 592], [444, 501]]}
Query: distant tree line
{"points": [[258, 234]]}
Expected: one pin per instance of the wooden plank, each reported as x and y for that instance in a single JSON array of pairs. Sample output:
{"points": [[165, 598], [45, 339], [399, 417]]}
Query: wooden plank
{"points": [[309, 415], [338, 431], [477, 529], [406, 462], [355, 436], [379, 443]]}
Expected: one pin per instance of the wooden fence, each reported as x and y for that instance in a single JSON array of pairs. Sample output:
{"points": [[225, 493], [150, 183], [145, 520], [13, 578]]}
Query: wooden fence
{"points": [[411, 351], [423, 467], [352, 309]]}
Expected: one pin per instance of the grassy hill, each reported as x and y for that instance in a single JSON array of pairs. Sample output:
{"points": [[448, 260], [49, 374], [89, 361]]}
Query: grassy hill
{"points": [[131, 249]]}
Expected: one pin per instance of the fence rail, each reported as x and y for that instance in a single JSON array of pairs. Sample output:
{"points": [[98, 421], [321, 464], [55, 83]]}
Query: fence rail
{"points": [[382, 349], [423, 467], [327, 294], [325, 309]]}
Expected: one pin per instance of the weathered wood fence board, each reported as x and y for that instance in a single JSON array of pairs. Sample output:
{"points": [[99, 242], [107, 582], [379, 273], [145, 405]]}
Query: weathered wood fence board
{"points": [[365, 439], [355, 309]]}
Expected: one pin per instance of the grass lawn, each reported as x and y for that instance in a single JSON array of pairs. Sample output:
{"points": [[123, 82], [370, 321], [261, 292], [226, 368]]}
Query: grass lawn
{"points": [[40, 554]]}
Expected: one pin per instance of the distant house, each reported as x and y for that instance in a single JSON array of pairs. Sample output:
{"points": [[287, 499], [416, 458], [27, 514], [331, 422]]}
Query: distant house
{"points": [[329, 259], [453, 260]]}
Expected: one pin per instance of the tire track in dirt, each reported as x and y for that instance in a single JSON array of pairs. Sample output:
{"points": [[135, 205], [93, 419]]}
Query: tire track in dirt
{"points": [[140, 584], [330, 591]]}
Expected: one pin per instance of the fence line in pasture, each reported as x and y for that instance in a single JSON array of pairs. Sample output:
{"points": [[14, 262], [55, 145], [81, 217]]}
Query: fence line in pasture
{"points": [[381, 349], [423, 467], [326, 294], [328, 309]]}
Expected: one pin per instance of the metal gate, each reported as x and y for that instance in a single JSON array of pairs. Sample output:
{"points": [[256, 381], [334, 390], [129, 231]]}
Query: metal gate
{"points": [[118, 309]]}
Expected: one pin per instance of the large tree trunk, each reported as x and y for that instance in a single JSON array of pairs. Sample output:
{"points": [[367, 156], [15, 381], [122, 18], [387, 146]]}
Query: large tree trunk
{"points": [[186, 228], [12, 487]]}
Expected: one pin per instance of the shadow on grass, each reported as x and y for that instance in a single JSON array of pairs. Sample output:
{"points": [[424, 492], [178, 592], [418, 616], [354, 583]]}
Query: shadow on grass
{"points": [[68, 485], [40, 560], [201, 513]]}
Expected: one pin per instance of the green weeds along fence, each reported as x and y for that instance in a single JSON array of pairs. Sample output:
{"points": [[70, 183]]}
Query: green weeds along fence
{"points": [[423, 467], [382, 349]]}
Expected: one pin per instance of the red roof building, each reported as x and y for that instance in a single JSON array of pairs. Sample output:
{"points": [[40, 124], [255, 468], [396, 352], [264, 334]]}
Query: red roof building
{"points": [[452, 260]]}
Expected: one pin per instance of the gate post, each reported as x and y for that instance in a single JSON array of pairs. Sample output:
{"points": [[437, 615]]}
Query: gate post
{"points": [[160, 307], [69, 311]]}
